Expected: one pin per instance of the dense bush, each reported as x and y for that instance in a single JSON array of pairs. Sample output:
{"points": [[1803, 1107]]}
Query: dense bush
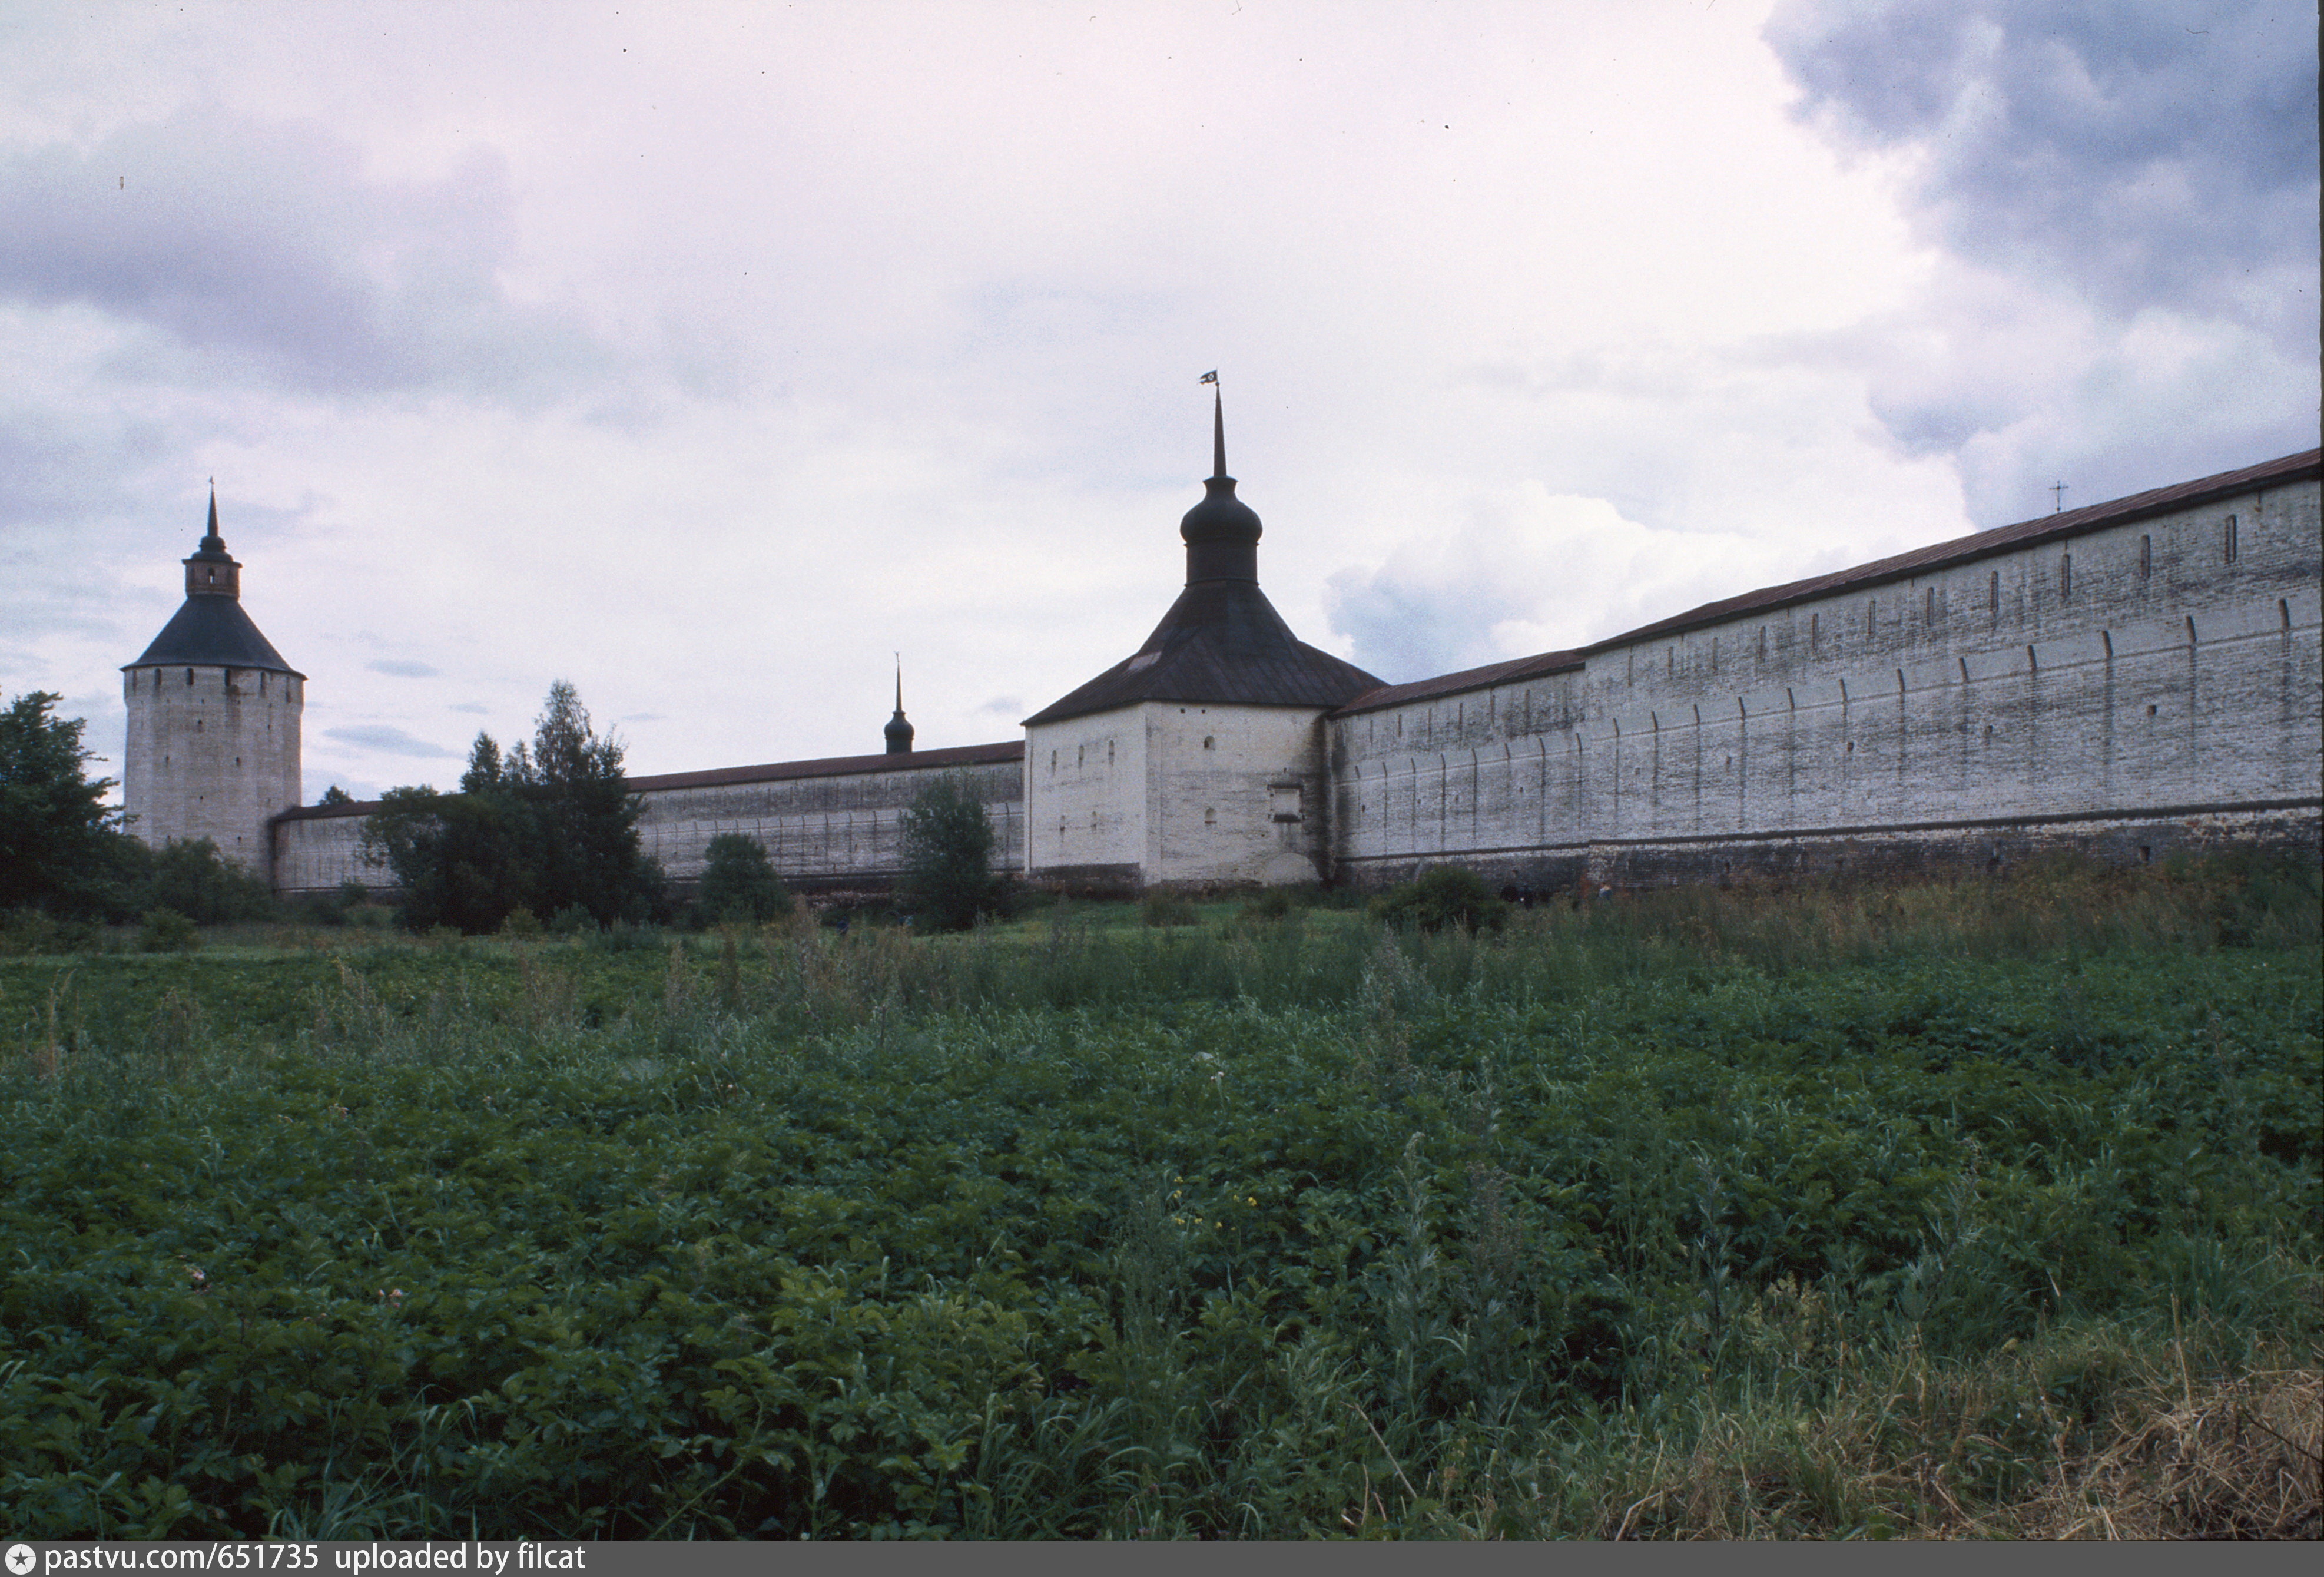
{"points": [[549, 829], [193, 880], [948, 879], [1449, 894], [737, 883], [1162, 906], [168, 931]]}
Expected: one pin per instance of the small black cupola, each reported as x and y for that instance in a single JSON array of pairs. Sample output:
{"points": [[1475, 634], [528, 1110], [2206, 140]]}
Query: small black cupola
{"points": [[1221, 533], [899, 729], [212, 571], [1221, 643]]}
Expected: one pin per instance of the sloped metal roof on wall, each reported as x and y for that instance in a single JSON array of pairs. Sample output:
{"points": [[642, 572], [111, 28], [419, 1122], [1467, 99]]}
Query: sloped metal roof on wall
{"points": [[1221, 643], [209, 632], [2067, 524], [959, 755], [2072, 522], [1470, 679], [965, 755]]}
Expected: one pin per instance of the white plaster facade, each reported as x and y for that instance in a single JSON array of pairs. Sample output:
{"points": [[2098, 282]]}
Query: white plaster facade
{"points": [[823, 824], [2165, 668], [2142, 676], [1177, 794], [212, 753]]}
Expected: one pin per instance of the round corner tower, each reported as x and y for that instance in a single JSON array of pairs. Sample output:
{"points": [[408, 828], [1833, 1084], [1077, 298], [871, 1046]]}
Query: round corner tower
{"points": [[213, 745]]}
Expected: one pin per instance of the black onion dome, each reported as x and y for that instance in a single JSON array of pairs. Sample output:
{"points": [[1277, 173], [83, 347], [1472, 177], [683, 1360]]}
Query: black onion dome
{"points": [[1221, 517], [1221, 643]]}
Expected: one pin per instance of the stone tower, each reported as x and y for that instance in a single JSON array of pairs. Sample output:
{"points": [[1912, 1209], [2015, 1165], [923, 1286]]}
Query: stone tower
{"points": [[213, 746], [1198, 761]]}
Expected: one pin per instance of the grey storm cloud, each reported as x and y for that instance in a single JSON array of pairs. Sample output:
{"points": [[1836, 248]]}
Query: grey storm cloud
{"points": [[266, 241], [397, 668], [389, 741], [2149, 155]]}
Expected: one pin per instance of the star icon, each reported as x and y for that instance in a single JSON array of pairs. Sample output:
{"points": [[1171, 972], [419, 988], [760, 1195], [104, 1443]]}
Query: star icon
{"points": [[21, 1559]]}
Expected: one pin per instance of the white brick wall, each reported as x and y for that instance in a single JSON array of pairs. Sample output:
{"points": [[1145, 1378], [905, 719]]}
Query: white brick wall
{"points": [[2156, 674], [212, 753], [825, 830], [1188, 795]]}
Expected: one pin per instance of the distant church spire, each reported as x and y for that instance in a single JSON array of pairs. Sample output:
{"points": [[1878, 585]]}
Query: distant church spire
{"points": [[899, 730], [1218, 429]]}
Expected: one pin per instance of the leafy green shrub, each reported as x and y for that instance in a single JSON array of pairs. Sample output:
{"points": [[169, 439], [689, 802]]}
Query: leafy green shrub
{"points": [[1449, 894], [1276, 903], [521, 921], [948, 877], [572, 920], [33, 931], [739, 886], [168, 931], [1161, 906], [196, 881]]}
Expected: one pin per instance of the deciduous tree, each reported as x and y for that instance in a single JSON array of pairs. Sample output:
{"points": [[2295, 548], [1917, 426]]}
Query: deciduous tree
{"points": [[948, 876]]}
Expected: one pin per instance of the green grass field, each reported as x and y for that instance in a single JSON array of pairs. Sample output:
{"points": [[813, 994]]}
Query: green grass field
{"points": [[1943, 1210]]}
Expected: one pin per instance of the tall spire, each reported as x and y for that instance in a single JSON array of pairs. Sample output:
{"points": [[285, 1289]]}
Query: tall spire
{"points": [[212, 571], [1221, 533], [899, 731]]}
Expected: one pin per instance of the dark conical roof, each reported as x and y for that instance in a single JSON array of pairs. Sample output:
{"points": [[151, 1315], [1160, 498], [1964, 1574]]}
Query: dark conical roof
{"points": [[209, 629], [212, 632], [1221, 643], [898, 732]]}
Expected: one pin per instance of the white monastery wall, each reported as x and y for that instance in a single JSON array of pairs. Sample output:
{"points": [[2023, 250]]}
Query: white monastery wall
{"points": [[828, 830], [212, 753], [2146, 680], [1193, 795], [2160, 668], [1086, 806], [819, 829], [1236, 794]]}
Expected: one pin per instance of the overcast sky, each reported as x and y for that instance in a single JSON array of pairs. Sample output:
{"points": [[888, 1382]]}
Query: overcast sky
{"points": [[706, 354]]}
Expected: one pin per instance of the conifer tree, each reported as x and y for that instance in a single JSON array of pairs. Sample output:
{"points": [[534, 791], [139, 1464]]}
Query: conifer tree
{"points": [[547, 828], [59, 842], [948, 876]]}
